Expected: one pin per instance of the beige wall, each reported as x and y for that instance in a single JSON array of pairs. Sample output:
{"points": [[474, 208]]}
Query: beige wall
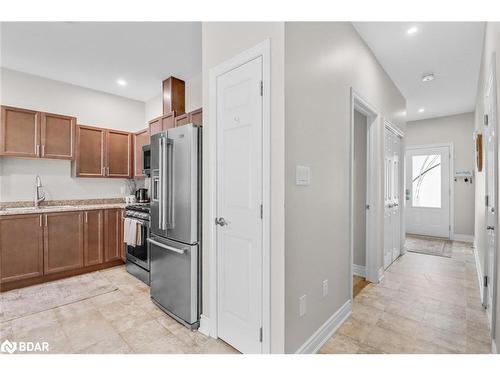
{"points": [[323, 61], [491, 46], [91, 107], [458, 130], [359, 209], [222, 41]]}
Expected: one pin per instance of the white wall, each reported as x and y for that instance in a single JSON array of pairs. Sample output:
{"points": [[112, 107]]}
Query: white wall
{"points": [[456, 129], [491, 46], [91, 108], [323, 60], [221, 41], [154, 106]]}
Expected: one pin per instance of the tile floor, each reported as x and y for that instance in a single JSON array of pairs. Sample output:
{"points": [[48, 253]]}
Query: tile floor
{"points": [[424, 304], [122, 321]]}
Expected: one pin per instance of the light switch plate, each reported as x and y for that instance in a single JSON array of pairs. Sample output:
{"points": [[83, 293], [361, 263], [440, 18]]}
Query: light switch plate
{"points": [[302, 305], [302, 175], [325, 287]]}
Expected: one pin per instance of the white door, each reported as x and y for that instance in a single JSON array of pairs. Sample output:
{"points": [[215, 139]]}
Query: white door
{"points": [[428, 182], [491, 154], [388, 187], [239, 200], [392, 219]]}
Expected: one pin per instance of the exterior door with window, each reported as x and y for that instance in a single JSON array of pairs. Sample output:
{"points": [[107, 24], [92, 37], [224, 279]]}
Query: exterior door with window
{"points": [[428, 191]]}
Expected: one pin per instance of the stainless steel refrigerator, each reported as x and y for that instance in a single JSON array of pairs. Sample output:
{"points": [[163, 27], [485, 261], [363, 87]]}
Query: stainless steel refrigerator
{"points": [[176, 222]]}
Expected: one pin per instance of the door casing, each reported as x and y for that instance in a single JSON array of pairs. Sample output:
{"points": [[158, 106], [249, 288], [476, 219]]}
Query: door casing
{"points": [[263, 50]]}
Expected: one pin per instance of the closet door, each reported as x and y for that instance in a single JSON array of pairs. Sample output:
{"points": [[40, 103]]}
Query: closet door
{"points": [[388, 194]]}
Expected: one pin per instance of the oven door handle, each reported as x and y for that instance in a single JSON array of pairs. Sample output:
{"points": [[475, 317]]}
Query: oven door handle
{"points": [[166, 247]]}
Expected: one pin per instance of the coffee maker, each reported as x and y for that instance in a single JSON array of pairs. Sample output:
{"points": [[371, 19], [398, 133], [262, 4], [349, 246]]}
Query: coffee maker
{"points": [[141, 195]]}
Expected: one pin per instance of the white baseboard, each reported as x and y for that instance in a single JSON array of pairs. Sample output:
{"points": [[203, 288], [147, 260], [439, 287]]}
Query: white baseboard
{"points": [[321, 336], [359, 270], [479, 273], [380, 274], [463, 237], [204, 325], [494, 347]]}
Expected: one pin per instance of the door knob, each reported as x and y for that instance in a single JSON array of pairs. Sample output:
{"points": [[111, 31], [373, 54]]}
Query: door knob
{"points": [[489, 227], [221, 221]]}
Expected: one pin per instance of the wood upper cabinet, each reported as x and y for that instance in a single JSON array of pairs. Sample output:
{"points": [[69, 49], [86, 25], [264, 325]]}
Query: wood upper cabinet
{"points": [[168, 121], [89, 151], [196, 117], [28, 133], [93, 237], [21, 247], [182, 120], [63, 241], [103, 152], [113, 234], [57, 134], [118, 154], [140, 139], [155, 126], [19, 132]]}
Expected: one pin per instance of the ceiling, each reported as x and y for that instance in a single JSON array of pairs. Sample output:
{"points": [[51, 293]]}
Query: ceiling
{"points": [[97, 54], [450, 50]]}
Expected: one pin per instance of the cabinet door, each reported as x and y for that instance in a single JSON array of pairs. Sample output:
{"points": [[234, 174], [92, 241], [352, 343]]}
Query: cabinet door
{"points": [[155, 126], [93, 247], [140, 139], [63, 241], [196, 117], [21, 247], [89, 151], [168, 121], [19, 132], [118, 154], [57, 136], [182, 120], [113, 235]]}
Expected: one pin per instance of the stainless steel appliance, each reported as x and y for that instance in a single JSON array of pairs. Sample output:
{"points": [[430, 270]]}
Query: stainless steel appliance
{"points": [[175, 223], [138, 260], [146, 160], [141, 195]]}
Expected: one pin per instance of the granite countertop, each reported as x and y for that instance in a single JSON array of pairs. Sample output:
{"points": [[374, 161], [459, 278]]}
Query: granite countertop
{"points": [[25, 208]]}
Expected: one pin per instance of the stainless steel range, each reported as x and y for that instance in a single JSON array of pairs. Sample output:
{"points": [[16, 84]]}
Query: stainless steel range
{"points": [[138, 259]]}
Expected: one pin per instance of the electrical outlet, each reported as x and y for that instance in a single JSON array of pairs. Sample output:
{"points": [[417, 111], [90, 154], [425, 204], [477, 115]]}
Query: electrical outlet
{"points": [[325, 288], [302, 305]]}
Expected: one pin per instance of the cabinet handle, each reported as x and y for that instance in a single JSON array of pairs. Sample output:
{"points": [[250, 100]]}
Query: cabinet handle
{"points": [[86, 216], [45, 220], [40, 220], [43, 151]]}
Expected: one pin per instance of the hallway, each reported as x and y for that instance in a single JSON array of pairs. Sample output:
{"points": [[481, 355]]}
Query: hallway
{"points": [[424, 304]]}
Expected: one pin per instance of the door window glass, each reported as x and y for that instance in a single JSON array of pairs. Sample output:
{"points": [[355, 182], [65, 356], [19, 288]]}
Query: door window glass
{"points": [[426, 181]]}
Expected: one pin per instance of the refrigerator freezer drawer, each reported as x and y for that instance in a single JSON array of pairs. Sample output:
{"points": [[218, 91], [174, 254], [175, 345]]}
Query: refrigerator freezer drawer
{"points": [[174, 278]]}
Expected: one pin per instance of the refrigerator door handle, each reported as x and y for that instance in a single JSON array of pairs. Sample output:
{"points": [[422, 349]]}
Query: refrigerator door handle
{"points": [[166, 247], [160, 183], [170, 185]]}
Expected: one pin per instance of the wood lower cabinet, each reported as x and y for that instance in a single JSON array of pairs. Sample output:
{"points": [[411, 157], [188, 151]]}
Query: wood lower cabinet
{"points": [[57, 135], [93, 234], [19, 132], [21, 247], [63, 241], [113, 237], [141, 138], [45, 247]]}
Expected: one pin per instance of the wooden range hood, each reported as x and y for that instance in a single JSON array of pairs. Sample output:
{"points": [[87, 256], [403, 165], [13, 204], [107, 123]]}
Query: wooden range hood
{"points": [[174, 95]]}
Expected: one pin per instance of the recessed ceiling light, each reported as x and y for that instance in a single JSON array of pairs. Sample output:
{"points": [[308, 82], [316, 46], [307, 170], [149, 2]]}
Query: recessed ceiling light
{"points": [[412, 30], [428, 77], [121, 82], [421, 110]]}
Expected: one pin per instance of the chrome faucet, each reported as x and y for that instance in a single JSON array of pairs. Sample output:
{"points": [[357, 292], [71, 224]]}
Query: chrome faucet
{"points": [[38, 197]]}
